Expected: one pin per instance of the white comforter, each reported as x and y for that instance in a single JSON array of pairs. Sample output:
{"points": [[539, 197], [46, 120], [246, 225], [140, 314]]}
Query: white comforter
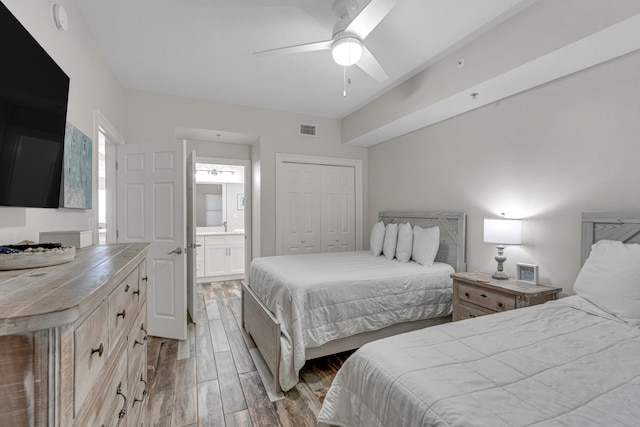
{"points": [[322, 297], [564, 363]]}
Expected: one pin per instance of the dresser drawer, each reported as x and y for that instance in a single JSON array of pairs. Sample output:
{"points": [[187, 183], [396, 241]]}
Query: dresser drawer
{"points": [[109, 405], [137, 342], [91, 348], [122, 306], [137, 371], [489, 299], [464, 311], [140, 293], [139, 392]]}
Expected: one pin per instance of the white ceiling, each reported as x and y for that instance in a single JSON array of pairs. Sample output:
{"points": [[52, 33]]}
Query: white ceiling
{"points": [[203, 49]]}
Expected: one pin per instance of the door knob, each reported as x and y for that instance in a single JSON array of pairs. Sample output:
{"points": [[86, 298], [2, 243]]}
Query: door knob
{"points": [[176, 251]]}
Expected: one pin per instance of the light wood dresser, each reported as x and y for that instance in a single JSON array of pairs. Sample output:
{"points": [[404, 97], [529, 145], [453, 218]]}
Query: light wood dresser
{"points": [[477, 294], [73, 341]]}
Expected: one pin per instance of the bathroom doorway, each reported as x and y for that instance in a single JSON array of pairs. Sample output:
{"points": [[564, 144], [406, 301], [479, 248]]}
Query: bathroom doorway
{"points": [[222, 211]]}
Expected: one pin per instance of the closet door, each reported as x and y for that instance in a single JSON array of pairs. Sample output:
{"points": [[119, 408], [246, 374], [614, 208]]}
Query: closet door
{"points": [[316, 208], [299, 198], [338, 219]]}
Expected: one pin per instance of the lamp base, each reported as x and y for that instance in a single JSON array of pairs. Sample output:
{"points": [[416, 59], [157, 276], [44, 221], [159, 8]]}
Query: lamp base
{"points": [[500, 258], [500, 275]]}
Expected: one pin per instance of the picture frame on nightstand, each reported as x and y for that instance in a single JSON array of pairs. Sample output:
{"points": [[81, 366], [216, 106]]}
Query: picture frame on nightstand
{"points": [[527, 273]]}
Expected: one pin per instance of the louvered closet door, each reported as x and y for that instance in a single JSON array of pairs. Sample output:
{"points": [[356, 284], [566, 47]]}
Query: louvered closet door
{"points": [[316, 211]]}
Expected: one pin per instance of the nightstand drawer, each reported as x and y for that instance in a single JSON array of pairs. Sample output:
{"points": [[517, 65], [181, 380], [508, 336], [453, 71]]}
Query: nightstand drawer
{"points": [[464, 311], [486, 298]]}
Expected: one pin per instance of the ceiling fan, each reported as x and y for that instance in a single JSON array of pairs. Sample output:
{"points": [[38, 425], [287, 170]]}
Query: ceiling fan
{"points": [[346, 44]]}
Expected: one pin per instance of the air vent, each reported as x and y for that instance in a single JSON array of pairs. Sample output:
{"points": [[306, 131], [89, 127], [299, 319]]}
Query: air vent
{"points": [[308, 130]]}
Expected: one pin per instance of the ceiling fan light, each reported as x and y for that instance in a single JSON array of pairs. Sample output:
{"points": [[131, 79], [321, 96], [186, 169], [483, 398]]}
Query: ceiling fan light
{"points": [[347, 51]]}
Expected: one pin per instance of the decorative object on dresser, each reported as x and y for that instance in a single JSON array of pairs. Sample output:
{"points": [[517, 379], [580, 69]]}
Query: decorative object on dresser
{"points": [[502, 232], [476, 294], [73, 340], [77, 238], [28, 254], [527, 273]]}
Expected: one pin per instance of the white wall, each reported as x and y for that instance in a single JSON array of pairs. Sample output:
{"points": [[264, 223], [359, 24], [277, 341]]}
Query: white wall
{"points": [[155, 117], [92, 87], [546, 155]]}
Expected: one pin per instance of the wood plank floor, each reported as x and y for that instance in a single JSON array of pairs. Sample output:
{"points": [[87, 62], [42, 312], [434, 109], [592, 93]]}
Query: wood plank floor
{"points": [[214, 381]]}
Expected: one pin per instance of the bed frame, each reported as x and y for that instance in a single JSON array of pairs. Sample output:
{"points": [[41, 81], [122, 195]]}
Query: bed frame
{"points": [[264, 328], [624, 227]]}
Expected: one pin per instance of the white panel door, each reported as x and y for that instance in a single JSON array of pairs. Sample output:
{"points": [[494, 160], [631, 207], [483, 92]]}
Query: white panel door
{"points": [[338, 219], [299, 198], [151, 208]]}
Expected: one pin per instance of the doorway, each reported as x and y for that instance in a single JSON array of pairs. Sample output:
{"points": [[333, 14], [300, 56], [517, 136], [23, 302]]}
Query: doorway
{"points": [[108, 139], [222, 213]]}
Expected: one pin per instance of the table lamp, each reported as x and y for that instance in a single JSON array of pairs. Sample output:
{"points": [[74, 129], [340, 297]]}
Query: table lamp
{"points": [[502, 232]]}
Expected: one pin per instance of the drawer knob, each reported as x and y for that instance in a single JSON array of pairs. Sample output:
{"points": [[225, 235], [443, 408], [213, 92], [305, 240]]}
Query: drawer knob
{"points": [[466, 294], [123, 411], [123, 314], [500, 304], [483, 295], [144, 392], [472, 315], [98, 350], [126, 288]]}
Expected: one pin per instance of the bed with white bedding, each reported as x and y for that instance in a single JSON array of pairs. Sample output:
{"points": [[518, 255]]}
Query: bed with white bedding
{"points": [[570, 362], [298, 307]]}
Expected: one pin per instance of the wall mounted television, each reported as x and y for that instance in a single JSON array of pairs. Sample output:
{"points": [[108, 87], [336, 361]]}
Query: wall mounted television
{"points": [[33, 108]]}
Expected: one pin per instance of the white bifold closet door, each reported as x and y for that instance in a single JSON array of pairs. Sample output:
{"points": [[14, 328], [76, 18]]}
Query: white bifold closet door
{"points": [[315, 209]]}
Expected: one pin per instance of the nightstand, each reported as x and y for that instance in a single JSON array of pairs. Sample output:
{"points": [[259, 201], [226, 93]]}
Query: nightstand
{"points": [[477, 294]]}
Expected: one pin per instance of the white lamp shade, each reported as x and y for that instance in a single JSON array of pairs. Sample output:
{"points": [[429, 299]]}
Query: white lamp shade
{"points": [[503, 231], [347, 51]]}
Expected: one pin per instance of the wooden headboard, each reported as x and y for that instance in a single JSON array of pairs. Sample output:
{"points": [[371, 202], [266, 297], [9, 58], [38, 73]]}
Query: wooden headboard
{"points": [[608, 226], [452, 232]]}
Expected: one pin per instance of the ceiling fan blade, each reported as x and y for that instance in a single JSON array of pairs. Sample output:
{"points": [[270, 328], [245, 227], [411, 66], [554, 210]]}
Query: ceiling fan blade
{"points": [[300, 48], [371, 66], [370, 17]]}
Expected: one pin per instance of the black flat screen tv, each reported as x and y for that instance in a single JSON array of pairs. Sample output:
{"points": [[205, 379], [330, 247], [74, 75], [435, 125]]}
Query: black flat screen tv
{"points": [[33, 112]]}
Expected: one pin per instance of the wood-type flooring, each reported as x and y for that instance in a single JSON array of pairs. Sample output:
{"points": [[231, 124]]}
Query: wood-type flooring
{"points": [[214, 381]]}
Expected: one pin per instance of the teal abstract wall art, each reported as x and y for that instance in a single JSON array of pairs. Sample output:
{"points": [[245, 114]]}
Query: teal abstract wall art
{"points": [[77, 171]]}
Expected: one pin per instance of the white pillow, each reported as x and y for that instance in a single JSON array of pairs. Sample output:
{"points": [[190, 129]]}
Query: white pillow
{"points": [[610, 279], [426, 242], [390, 240], [404, 247], [376, 239]]}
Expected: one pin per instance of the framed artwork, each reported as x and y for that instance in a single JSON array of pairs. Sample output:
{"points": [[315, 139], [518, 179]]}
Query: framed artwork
{"points": [[240, 202], [78, 171], [527, 273]]}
